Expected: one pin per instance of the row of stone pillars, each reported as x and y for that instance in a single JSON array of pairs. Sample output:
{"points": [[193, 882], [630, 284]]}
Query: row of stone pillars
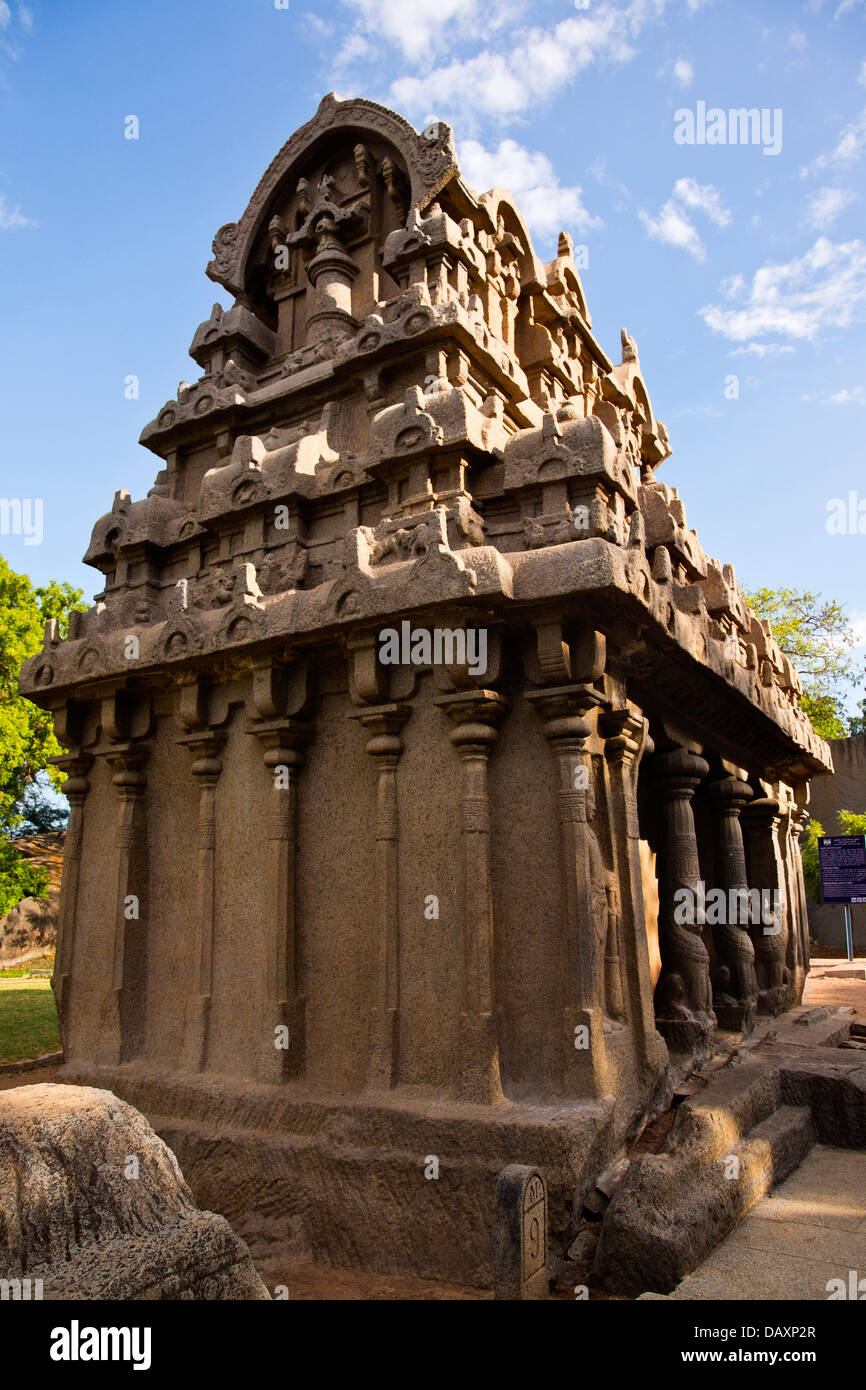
{"points": [[598, 971], [757, 965]]}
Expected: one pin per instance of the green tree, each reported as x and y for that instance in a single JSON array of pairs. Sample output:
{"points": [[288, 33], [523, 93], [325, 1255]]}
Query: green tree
{"points": [[857, 722], [26, 735], [41, 814], [817, 637], [809, 855]]}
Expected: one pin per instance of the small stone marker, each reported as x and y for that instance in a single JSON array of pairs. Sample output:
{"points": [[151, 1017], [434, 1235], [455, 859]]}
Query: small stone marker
{"points": [[520, 1234]]}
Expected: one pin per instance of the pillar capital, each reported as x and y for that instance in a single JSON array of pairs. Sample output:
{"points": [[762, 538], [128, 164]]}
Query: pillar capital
{"points": [[283, 740], [730, 793], [474, 714], [204, 747], [127, 760], [763, 811], [75, 767], [626, 736], [679, 772], [384, 723]]}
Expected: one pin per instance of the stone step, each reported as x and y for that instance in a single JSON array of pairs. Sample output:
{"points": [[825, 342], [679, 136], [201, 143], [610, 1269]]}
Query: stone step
{"points": [[832, 1082], [709, 1123], [672, 1209]]}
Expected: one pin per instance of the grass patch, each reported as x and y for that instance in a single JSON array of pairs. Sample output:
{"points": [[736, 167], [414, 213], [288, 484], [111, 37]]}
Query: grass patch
{"points": [[28, 1020], [18, 972]]}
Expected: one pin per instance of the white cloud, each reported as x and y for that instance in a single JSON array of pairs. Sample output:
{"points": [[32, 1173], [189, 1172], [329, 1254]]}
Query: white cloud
{"points": [[825, 205], [672, 226], [11, 218], [414, 26], [861, 76], [547, 205], [683, 72], [848, 147], [703, 197], [856, 396], [824, 288], [761, 350], [539, 63], [5, 14], [797, 39]]}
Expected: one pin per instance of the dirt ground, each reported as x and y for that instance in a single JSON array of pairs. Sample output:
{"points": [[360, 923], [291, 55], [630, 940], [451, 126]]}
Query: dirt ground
{"points": [[824, 988]]}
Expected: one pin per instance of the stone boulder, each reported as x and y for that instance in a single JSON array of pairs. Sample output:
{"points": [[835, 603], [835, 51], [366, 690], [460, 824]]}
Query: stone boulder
{"points": [[94, 1204]]}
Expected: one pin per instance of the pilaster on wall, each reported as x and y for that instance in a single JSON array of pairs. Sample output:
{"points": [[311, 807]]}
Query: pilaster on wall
{"points": [[204, 747], [283, 1025], [279, 694], [383, 723], [475, 715], [627, 742], [569, 670], [123, 1020]]}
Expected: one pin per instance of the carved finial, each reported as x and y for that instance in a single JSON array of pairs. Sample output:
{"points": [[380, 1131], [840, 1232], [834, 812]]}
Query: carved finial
{"points": [[440, 133], [365, 166], [395, 181], [629, 346], [303, 192], [121, 500], [565, 246], [277, 232]]}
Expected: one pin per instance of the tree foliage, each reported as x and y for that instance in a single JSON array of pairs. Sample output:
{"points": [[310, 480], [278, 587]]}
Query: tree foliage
{"points": [[26, 735], [817, 636]]}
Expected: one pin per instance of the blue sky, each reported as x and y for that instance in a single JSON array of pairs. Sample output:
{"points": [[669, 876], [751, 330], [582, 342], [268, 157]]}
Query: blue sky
{"points": [[721, 260]]}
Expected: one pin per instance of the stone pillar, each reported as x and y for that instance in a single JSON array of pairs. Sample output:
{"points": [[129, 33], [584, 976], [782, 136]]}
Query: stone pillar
{"points": [[203, 746], [684, 1011], [75, 789], [799, 906], [625, 736], [284, 1002], [331, 272], [584, 1058], [735, 993], [474, 715], [384, 747], [123, 1023], [767, 873]]}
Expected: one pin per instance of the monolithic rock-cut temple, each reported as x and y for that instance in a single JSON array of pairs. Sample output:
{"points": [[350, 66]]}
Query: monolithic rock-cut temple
{"points": [[410, 708]]}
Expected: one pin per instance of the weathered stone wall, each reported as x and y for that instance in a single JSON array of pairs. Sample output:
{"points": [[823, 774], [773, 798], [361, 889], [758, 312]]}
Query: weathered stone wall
{"points": [[843, 790]]}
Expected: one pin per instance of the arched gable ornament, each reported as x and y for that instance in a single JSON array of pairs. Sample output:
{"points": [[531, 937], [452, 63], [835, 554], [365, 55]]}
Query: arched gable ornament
{"points": [[429, 157]]}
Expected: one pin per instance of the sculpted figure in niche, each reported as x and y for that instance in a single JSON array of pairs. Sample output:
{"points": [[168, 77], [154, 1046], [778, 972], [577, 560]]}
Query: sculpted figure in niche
{"points": [[284, 569], [607, 987]]}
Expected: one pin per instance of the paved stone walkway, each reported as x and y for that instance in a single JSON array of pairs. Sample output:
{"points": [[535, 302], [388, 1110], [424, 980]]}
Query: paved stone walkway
{"points": [[810, 1230], [826, 983]]}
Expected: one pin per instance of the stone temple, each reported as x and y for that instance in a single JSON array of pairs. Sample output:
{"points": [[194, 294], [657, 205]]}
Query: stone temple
{"points": [[410, 707]]}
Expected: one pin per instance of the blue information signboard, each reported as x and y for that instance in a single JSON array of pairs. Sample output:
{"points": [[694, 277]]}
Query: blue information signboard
{"points": [[842, 863]]}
